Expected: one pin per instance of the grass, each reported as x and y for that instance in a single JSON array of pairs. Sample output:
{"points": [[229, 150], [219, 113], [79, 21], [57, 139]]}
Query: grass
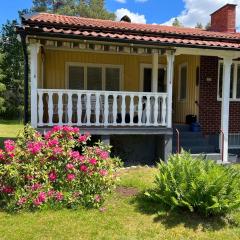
{"points": [[9, 129], [122, 217]]}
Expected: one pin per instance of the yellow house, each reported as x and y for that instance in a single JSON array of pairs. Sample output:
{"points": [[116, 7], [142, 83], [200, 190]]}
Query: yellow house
{"points": [[126, 79]]}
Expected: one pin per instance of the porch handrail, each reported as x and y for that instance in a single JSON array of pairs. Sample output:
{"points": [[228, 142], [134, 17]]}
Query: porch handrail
{"points": [[101, 108]]}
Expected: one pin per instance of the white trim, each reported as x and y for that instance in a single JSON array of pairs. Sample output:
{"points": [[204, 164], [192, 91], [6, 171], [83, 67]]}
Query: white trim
{"points": [[233, 99], [34, 50], [185, 64], [149, 65], [170, 76], [102, 66]]}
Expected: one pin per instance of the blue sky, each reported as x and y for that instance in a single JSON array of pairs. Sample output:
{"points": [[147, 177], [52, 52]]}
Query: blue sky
{"points": [[189, 12]]}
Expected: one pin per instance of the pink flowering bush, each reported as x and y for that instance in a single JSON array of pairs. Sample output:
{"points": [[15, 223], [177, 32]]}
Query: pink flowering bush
{"points": [[58, 169]]}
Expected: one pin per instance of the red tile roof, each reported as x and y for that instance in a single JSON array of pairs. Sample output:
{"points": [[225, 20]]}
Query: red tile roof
{"points": [[111, 30]]}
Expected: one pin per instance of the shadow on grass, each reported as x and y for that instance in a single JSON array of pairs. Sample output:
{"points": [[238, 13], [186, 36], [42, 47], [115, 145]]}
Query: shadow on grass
{"points": [[174, 218]]}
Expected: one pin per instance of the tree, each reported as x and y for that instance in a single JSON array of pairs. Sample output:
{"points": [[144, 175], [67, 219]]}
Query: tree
{"points": [[208, 26], [199, 25], [83, 8], [11, 71], [177, 23]]}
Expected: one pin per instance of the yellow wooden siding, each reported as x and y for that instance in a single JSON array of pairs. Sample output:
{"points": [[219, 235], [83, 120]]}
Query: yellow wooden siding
{"points": [[188, 106], [55, 75]]}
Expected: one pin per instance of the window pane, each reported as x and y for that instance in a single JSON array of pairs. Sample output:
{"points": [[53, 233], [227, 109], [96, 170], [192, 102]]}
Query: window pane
{"points": [[183, 83], [112, 79], [147, 84], [94, 78], [238, 81], [161, 77], [76, 77]]}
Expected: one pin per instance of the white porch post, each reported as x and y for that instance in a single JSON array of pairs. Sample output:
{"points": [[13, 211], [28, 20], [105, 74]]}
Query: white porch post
{"points": [[170, 71], [227, 62], [34, 49], [155, 72]]}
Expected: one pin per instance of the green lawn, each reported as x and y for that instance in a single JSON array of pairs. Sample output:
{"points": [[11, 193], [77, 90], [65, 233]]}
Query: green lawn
{"points": [[9, 129], [125, 215]]}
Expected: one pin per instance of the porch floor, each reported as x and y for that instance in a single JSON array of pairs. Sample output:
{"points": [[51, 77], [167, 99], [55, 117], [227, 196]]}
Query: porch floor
{"points": [[121, 130]]}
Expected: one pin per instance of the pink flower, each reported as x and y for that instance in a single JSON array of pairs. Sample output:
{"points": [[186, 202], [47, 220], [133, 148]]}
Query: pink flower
{"points": [[57, 128], [36, 186], [52, 176], [42, 196], [7, 190], [59, 196], [74, 154], [70, 166], [36, 202], [21, 201], [57, 150], [104, 155], [97, 198], [52, 143], [82, 138], [34, 147], [67, 129], [9, 145], [70, 177], [29, 177], [2, 154], [93, 161], [81, 158], [84, 168], [103, 172], [75, 130], [50, 193]]}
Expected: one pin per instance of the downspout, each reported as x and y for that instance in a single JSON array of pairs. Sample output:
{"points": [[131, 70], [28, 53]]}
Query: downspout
{"points": [[26, 73]]}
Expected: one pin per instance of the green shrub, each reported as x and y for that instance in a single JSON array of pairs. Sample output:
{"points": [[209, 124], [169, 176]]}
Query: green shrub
{"points": [[198, 185], [58, 169]]}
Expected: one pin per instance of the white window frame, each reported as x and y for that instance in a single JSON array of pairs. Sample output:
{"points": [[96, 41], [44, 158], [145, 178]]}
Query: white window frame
{"points": [[102, 66], [180, 81], [233, 99], [148, 65]]}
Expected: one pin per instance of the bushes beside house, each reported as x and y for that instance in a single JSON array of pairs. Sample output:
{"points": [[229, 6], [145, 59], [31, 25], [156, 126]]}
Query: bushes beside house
{"points": [[197, 185], [58, 169]]}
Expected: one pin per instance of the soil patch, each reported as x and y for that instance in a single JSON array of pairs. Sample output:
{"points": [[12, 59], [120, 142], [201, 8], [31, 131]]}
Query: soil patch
{"points": [[127, 191]]}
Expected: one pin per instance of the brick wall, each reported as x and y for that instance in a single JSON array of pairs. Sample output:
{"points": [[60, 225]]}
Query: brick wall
{"points": [[209, 107], [224, 19]]}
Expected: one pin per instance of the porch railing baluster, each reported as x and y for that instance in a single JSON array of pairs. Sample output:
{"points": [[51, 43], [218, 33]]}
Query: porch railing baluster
{"points": [[50, 108], [40, 109], [95, 108]]}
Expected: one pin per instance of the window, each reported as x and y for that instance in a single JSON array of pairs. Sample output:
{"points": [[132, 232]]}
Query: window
{"points": [[183, 81], [234, 81], [147, 79], [112, 79], [76, 77], [94, 77]]}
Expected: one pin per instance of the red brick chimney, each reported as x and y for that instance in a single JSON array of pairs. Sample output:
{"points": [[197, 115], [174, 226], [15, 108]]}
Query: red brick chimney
{"points": [[224, 19]]}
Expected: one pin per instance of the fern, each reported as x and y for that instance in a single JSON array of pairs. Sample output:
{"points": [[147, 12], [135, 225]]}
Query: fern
{"points": [[198, 185]]}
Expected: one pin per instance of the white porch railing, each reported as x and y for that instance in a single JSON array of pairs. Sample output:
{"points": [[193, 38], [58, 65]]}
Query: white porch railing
{"points": [[100, 108]]}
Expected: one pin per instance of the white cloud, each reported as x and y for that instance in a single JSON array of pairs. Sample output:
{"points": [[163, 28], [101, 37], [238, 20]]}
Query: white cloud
{"points": [[121, 1], [200, 10], [135, 17]]}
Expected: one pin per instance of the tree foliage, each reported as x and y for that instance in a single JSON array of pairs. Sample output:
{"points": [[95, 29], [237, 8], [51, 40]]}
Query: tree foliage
{"points": [[11, 71], [177, 23], [83, 8]]}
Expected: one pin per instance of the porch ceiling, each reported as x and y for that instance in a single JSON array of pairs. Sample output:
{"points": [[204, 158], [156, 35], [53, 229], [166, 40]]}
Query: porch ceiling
{"points": [[44, 24]]}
